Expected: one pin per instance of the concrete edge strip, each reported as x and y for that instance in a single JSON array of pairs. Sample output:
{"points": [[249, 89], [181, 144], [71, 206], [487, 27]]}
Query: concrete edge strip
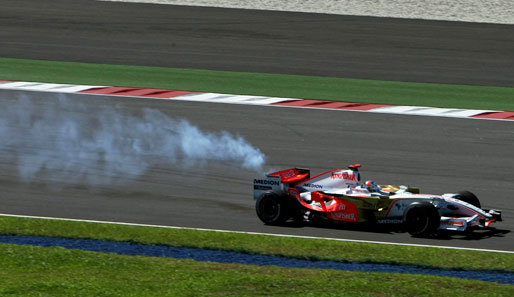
{"points": [[257, 100], [256, 233]]}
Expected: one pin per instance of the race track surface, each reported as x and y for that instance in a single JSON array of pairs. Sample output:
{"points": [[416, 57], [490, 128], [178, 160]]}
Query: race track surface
{"points": [[436, 154], [258, 41]]}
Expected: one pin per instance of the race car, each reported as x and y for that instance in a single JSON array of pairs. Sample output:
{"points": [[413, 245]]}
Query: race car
{"points": [[336, 195]]}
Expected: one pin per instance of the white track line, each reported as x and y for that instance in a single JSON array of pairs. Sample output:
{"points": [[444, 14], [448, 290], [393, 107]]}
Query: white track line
{"points": [[45, 87], [256, 233], [431, 111]]}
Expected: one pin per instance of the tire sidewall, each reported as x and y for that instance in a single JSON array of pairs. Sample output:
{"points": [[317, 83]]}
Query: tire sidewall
{"points": [[421, 219], [271, 208]]}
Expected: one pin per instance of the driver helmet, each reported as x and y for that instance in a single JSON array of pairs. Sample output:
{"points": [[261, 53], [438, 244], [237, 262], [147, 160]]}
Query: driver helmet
{"points": [[372, 186]]}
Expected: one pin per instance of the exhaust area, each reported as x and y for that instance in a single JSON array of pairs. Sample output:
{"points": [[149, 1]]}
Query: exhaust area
{"points": [[72, 142]]}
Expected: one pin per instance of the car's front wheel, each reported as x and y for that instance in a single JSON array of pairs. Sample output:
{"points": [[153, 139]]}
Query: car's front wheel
{"points": [[272, 208], [468, 197], [421, 219]]}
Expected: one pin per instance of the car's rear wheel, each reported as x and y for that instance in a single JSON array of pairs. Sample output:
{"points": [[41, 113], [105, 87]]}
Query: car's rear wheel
{"points": [[421, 219], [272, 208], [468, 197]]}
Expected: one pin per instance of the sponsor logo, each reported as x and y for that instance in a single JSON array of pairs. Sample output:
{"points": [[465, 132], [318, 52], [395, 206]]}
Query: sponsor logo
{"points": [[316, 186], [389, 221], [288, 174], [343, 175], [266, 182], [343, 216], [344, 211], [262, 188], [452, 223]]}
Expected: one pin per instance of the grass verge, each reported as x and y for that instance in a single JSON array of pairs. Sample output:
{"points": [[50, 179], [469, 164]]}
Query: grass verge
{"points": [[275, 85], [36, 271], [313, 249]]}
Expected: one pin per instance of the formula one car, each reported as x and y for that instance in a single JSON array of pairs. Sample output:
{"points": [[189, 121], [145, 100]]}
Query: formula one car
{"points": [[337, 196]]}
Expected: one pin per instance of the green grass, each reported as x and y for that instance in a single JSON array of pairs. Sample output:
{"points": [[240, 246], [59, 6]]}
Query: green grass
{"points": [[36, 271], [315, 249], [276, 85]]}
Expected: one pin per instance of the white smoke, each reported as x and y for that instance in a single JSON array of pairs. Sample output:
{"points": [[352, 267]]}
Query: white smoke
{"points": [[74, 142]]}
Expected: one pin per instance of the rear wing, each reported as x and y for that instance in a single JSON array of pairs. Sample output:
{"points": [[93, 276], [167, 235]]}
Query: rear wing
{"points": [[279, 180], [292, 175]]}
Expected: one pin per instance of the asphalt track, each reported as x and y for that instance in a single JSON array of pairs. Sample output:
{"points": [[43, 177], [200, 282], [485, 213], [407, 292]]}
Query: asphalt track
{"points": [[436, 154], [258, 41]]}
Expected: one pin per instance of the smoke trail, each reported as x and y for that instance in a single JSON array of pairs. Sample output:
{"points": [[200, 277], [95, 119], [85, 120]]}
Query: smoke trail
{"points": [[73, 142]]}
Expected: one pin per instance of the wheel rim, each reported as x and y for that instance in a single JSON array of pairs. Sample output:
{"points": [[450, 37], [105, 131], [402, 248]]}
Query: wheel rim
{"points": [[269, 208], [417, 223]]}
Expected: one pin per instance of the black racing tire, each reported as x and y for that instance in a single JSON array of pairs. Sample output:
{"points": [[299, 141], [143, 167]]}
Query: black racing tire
{"points": [[272, 207], [468, 197], [421, 219]]}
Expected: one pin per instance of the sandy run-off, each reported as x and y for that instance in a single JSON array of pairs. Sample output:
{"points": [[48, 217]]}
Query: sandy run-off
{"points": [[480, 11]]}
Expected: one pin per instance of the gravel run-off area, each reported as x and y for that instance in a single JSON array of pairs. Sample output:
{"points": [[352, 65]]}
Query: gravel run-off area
{"points": [[479, 11]]}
